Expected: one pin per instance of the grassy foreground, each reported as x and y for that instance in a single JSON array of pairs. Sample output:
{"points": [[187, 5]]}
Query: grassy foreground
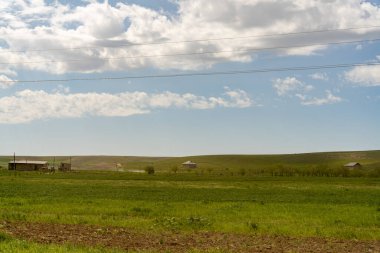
{"points": [[335, 207], [9, 245]]}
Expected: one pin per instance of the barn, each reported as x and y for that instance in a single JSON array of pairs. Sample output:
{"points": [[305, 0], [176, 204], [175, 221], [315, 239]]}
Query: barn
{"points": [[353, 165], [189, 165], [64, 167], [26, 165]]}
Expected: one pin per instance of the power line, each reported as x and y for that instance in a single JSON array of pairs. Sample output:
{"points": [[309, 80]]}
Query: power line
{"points": [[197, 53], [232, 72], [189, 41]]}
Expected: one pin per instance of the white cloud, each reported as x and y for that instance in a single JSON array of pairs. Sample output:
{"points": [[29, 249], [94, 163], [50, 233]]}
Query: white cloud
{"points": [[359, 47], [364, 75], [28, 105], [289, 85], [61, 89], [6, 82], [320, 76], [328, 99], [100, 24]]}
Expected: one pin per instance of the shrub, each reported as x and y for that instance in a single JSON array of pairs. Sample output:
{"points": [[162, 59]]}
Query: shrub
{"points": [[149, 170], [175, 169], [242, 172]]}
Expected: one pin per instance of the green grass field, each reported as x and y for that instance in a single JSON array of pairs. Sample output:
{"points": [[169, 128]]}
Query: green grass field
{"points": [[186, 202]]}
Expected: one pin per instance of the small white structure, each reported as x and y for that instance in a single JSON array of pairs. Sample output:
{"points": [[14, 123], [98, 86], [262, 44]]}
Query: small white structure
{"points": [[189, 165], [353, 165]]}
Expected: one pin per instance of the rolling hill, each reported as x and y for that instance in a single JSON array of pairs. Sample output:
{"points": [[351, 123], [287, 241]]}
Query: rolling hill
{"points": [[369, 159]]}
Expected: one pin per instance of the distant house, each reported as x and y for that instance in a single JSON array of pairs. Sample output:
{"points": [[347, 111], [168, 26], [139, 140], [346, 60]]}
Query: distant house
{"points": [[353, 165], [64, 167], [189, 165], [26, 165]]}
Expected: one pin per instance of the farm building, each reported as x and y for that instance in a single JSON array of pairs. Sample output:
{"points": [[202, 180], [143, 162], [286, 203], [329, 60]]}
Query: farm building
{"points": [[189, 165], [26, 165], [64, 167], [353, 165]]}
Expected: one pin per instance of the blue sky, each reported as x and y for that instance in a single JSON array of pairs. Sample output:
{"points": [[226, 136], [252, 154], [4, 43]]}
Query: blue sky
{"points": [[273, 112]]}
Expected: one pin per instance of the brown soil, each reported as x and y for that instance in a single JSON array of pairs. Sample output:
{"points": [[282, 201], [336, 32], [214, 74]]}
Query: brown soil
{"points": [[128, 239]]}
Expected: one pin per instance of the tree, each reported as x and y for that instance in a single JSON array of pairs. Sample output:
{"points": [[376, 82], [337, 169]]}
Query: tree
{"points": [[149, 170]]}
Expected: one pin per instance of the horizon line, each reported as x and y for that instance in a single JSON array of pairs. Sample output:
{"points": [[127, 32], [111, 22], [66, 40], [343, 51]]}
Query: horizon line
{"points": [[211, 154]]}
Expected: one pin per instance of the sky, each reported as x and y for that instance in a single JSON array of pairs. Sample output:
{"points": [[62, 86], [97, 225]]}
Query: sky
{"points": [[141, 78]]}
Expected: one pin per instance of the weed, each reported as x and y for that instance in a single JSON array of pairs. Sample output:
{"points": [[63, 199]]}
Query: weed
{"points": [[253, 226], [4, 237], [192, 223], [14, 216], [141, 211]]}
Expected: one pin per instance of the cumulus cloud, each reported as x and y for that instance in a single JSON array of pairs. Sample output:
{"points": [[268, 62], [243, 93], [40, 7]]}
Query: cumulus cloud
{"points": [[364, 75], [95, 24], [320, 76], [27, 105], [6, 82], [289, 85], [292, 87], [359, 47], [313, 101]]}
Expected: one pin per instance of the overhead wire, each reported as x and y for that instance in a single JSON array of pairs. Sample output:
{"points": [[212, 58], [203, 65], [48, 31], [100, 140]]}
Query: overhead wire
{"points": [[190, 41], [232, 72], [195, 53]]}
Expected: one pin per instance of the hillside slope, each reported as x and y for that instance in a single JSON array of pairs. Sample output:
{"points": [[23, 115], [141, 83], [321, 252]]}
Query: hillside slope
{"points": [[370, 159]]}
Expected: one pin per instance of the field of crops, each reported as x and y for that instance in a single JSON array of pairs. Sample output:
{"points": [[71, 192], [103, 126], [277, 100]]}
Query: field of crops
{"points": [[167, 208]]}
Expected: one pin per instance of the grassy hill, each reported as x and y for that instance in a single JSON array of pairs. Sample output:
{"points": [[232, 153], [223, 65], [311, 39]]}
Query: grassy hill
{"points": [[232, 163]]}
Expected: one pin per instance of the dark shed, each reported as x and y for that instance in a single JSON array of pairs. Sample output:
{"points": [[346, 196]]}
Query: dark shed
{"points": [[26, 165]]}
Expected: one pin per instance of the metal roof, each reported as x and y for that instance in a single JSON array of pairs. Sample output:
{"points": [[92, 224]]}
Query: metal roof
{"points": [[29, 162], [353, 164], [188, 162]]}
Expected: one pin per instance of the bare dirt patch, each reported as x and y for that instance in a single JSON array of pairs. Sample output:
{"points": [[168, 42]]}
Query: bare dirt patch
{"points": [[127, 239]]}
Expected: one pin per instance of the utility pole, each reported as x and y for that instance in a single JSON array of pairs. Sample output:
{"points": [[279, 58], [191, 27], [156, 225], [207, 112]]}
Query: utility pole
{"points": [[14, 161]]}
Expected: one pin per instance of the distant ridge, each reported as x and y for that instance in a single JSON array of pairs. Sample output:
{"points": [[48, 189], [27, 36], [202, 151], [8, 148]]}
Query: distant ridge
{"points": [[104, 162]]}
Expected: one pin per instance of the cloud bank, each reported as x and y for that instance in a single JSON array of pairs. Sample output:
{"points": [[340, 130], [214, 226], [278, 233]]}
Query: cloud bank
{"points": [[27, 105], [95, 24]]}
